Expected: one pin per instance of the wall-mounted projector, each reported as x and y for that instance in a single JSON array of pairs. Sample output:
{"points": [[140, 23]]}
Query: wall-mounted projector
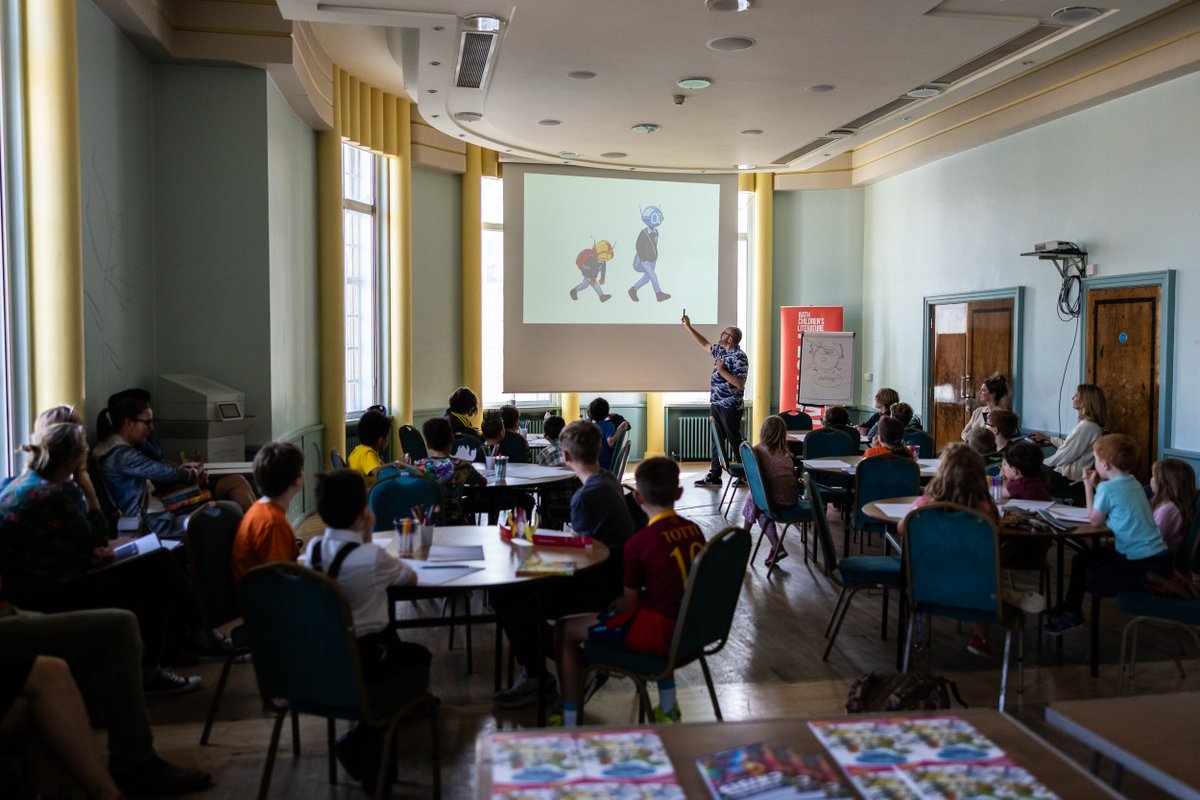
{"points": [[1055, 248]]}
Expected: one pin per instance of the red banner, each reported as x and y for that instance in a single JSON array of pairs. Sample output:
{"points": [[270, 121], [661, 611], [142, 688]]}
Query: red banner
{"points": [[793, 321]]}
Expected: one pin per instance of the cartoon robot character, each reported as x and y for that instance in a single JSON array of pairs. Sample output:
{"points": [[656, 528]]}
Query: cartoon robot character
{"points": [[592, 263], [646, 257]]}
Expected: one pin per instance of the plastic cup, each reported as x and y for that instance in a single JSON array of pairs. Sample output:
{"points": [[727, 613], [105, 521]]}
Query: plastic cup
{"points": [[426, 537], [489, 464]]}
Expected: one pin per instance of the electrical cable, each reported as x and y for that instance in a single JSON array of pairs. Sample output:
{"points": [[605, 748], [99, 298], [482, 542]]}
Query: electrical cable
{"points": [[1067, 363]]}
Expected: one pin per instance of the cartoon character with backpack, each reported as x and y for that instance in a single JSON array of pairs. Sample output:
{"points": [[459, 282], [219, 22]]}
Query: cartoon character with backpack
{"points": [[645, 260], [592, 263]]}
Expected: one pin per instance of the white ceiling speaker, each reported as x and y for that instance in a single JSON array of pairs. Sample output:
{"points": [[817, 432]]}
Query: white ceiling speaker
{"points": [[728, 5], [1073, 15], [645, 127], [468, 116], [923, 92], [840, 133]]}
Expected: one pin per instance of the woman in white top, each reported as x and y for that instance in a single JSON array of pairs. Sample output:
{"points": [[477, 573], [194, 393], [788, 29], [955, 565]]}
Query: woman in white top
{"points": [[1074, 454], [993, 394]]}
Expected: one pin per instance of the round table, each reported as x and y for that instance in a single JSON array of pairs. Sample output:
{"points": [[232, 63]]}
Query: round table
{"points": [[525, 476], [929, 466]]}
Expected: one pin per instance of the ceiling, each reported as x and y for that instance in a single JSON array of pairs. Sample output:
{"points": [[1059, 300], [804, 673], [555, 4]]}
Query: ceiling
{"points": [[815, 66]]}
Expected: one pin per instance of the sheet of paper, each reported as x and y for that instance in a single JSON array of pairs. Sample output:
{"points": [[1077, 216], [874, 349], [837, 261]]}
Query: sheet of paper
{"points": [[437, 574], [535, 471], [896, 510], [1070, 513], [929, 463], [1027, 505], [826, 463], [448, 552], [464, 453]]}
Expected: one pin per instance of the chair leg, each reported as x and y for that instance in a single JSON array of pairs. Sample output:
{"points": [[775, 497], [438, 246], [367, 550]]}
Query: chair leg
{"points": [[1004, 666], [836, 607], [729, 486], [712, 692], [1021, 660], [833, 636], [1127, 669], [757, 544], [453, 602], [265, 783], [216, 701], [645, 710], [386, 762], [467, 624], [330, 742], [908, 641], [498, 658], [1178, 652], [295, 735], [436, 755]]}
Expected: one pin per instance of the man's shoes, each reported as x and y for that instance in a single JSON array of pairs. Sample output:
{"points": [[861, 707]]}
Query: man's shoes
{"points": [[661, 296], [524, 692], [978, 646], [158, 778], [1062, 623], [709, 480], [662, 717], [574, 295], [633, 294], [167, 681]]}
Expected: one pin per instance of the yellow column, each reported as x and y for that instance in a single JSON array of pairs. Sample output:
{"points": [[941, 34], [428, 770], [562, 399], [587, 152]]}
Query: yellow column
{"points": [[51, 90], [472, 269], [570, 406], [400, 264], [331, 279], [760, 335], [656, 438]]}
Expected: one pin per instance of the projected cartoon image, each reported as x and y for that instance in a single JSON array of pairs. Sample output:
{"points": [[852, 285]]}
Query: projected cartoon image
{"points": [[645, 260], [826, 364], [592, 263]]}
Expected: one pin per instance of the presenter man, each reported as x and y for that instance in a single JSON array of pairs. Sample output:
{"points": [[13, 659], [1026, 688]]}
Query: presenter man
{"points": [[727, 386]]}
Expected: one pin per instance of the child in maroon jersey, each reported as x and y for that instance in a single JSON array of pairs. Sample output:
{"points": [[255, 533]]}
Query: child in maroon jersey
{"points": [[656, 563]]}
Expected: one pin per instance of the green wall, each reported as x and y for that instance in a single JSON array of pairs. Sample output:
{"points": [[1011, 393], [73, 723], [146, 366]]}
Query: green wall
{"points": [[437, 290]]}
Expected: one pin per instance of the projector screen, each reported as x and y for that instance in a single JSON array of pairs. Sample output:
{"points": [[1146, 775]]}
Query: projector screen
{"points": [[580, 245]]}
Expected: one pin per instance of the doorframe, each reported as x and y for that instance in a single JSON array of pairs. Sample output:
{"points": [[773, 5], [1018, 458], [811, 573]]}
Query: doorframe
{"points": [[1014, 293], [1165, 281]]}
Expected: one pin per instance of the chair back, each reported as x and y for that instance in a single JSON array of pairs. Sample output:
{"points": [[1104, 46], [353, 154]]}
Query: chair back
{"points": [[397, 495], [952, 561], [621, 460], [754, 477], [303, 640], [829, 557], [209, 532], [710, 596], [797, 420], [335, 458], [714, 432], [1188, 559], [885, 476], [468, 441], [412, 442], [826, 442], [922, 440]]}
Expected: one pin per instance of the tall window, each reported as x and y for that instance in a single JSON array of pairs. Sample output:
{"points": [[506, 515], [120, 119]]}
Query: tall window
{"points": [[14, 358], [492, 197], [363, 240]]}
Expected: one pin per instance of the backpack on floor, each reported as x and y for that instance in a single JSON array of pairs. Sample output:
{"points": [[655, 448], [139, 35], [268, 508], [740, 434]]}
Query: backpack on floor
{"points": [[901, 691]]}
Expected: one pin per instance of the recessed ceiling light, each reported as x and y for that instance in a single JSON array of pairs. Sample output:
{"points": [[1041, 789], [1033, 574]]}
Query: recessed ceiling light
{"points": [[752, 132], [923, 92], [581, 75], [435, 63], [645, 127], [728, 5], [549, 123], [821, 87], [839, 133], [826, 155], [905, 119], [432, 91], [569, 154], [731, 44], [508, 150], [693, 83], [745, 166], [435, 116], [1073, 15], [614, 154], [439, 28], [468, 116], [483, 23], [1029, 62]]}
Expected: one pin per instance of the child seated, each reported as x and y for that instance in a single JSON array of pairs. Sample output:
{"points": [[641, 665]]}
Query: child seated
{"points": [[364, 571], [512, 443], [657, 560], [1003, 425], [552, 454], [889, 440], [779, 479], [983, 441], [1174, 485], [1114, 498], [838, 418], [454, 474], [904, 413], [374, 431], [598, 413], [1022, 471], [264, 535], [885, 398]]}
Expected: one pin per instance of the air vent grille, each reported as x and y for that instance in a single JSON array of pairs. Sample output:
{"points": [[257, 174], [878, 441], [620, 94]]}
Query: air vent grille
{"points": [[869, 117], [815, 144], [474, 57], [999, 53]]}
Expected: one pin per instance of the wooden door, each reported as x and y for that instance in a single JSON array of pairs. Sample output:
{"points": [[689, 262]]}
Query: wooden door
{"points": [[1124, 331], [970, 341]]}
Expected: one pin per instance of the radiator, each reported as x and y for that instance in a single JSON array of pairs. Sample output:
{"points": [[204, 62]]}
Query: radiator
{"points": [[534, 425], [695, 438]]}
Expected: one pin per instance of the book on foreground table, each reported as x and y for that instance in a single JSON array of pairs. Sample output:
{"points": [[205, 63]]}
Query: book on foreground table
{"points": [[758, 772], [535, 566]]}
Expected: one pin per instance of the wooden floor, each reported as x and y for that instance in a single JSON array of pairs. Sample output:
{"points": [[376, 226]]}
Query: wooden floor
{"points": [[771, 668]]}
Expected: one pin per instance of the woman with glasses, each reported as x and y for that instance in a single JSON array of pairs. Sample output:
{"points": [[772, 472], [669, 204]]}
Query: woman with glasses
{"points": [[133, 467]]}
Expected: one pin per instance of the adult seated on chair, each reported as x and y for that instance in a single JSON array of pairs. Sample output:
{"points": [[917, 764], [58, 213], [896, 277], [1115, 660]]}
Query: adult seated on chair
{"points": [[463, 406], [454, 474], [48, 550], [1074, 454], [264, 535], [133, 466], [364, 571], [656, 563], [102, 648], [837, 418], [597, 509], [993, 395]]}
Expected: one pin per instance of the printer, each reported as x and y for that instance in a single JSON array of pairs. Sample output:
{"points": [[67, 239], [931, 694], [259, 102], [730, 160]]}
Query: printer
{"points": [[200, 418]]}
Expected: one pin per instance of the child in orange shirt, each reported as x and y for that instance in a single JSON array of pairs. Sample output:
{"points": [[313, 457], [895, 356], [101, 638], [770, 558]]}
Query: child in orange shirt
{"points": [[889, 440], [265, 535]]}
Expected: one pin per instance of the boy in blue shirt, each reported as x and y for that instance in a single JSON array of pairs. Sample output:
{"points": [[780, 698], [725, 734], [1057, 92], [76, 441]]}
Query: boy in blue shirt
{"points": [[1116, 499]]}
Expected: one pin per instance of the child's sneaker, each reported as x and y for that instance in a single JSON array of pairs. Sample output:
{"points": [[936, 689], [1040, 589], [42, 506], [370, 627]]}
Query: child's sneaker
{"points": [[1029, 602], [524, 692], [665, 717], [1062, 623], [979, 646]]}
